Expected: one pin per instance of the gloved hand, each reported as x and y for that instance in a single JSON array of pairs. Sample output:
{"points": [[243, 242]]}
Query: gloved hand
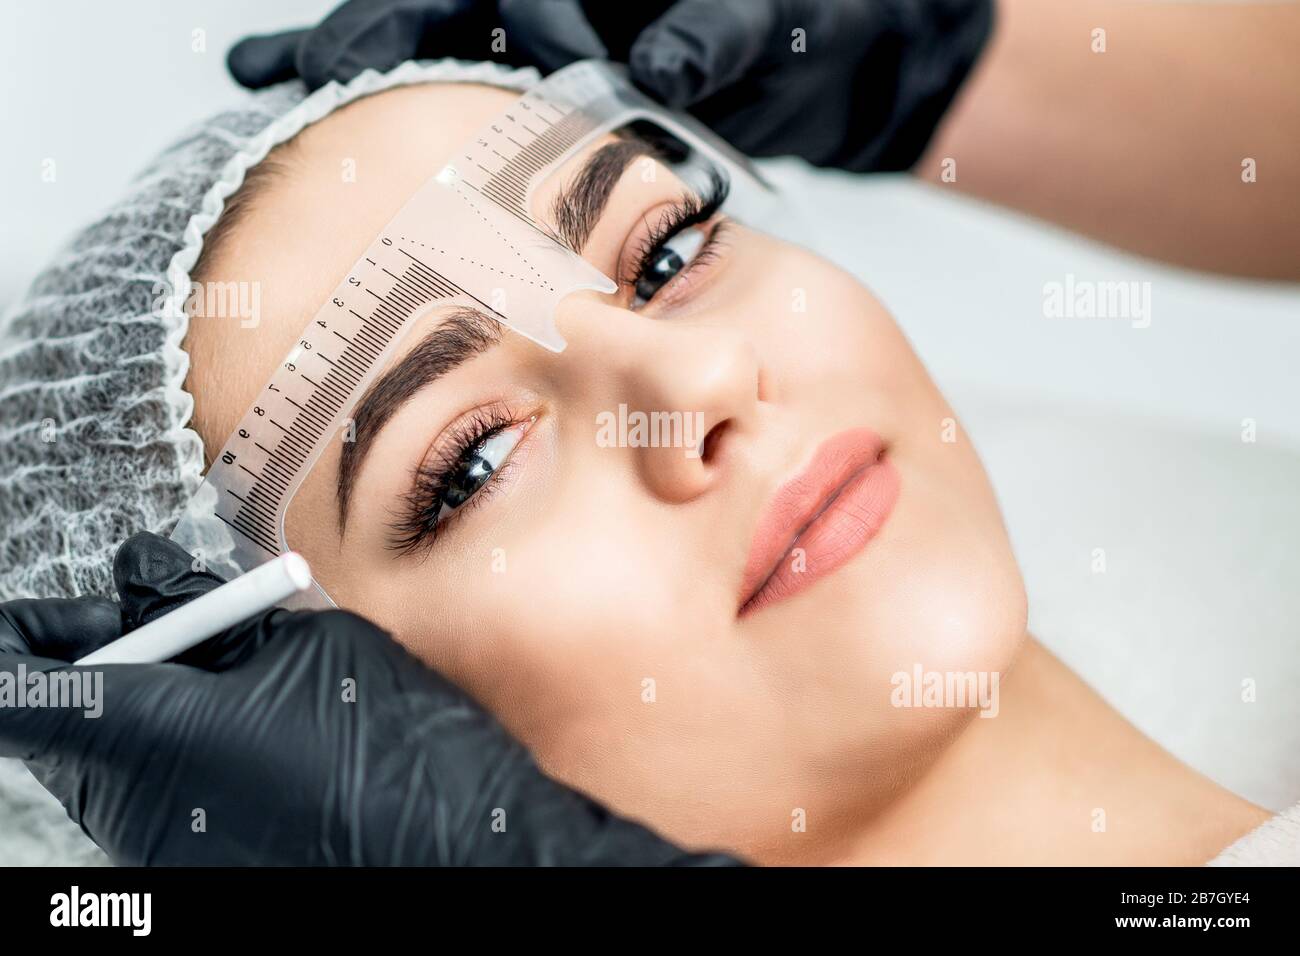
{"points": [[295, 738], [856, 84], [379, 34]]}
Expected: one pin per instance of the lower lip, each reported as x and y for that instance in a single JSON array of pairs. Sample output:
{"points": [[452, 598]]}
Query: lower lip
{"points": [[853, 517]]}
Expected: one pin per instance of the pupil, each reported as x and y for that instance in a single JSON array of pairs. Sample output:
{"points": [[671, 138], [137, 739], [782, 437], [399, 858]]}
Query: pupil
{"points": [[468, 479], [666, 264]]}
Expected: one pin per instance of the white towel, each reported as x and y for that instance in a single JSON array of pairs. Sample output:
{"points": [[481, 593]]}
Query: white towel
{"points": [[1276, 842]]}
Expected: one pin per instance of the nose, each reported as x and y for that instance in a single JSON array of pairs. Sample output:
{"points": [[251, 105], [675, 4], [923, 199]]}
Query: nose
{"points": [[679, 396]]}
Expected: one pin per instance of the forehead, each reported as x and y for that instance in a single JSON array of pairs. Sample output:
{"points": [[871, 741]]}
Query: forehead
{"points": [[342, 180], [345, 178]]}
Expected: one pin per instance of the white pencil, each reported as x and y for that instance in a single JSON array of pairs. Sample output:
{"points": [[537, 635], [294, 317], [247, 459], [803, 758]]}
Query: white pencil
{"points": [[259, 590]]}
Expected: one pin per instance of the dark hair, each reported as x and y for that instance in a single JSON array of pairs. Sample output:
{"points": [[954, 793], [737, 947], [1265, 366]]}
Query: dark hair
{"points": [[256, 181]]}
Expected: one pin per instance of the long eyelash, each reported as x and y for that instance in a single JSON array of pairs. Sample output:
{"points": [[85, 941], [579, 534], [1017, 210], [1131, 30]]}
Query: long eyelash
{"points": [[417, 526], [691, 210]]}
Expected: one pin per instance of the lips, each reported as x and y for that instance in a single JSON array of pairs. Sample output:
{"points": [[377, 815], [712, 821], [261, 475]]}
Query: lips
{"points": [[828, 512]]}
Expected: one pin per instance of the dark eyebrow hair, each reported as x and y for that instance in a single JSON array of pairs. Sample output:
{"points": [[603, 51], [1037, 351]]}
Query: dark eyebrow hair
{"points": [[578, 207], [459, 337], [467, 332]]}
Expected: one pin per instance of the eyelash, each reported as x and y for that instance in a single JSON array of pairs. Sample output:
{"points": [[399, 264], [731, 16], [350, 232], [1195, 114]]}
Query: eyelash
{"points": [[691, 209], [417, 526]]}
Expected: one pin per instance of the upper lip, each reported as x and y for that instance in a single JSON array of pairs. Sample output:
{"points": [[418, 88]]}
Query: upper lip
{"points": [[802, 499]]}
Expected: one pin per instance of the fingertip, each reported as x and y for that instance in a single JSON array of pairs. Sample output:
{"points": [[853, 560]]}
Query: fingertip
{"points": [[663, 69], [700, 47], [259, 61], [146, 555], [154, 575]]}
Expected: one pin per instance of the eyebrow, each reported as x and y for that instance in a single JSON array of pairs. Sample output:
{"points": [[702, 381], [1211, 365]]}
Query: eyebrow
{"points": [[458, 338], [577, 208], [465, 333]]}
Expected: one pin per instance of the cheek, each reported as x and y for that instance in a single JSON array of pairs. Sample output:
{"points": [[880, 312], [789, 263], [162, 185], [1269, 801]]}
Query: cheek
{"points": [[820, 332], [553, 611]]}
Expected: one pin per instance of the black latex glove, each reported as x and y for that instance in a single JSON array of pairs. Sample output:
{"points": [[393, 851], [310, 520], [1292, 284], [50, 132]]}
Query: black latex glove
{"points": [[252, 728], [873, 80], [380, 34]]}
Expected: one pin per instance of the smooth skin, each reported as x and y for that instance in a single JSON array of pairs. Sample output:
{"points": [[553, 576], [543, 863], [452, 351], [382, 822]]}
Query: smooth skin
{"points": [[591, 600], [1141, 146]]}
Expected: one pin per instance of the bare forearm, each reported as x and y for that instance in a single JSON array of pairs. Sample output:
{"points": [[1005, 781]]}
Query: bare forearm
{"points": [[1141, 145]]}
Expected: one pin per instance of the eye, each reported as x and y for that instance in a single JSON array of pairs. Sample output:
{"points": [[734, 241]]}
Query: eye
{"points": [[475, 468], [666, 261], [462, 469]]}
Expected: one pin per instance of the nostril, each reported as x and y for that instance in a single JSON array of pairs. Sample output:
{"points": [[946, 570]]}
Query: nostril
{"points": [[712, 440]]}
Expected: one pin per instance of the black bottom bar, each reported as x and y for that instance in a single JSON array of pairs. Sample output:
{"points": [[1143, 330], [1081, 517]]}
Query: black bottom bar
{"points": [[974, 907]]}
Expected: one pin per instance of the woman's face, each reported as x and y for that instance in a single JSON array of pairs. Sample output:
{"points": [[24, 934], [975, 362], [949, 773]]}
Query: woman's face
{"points": [[599, 595]]}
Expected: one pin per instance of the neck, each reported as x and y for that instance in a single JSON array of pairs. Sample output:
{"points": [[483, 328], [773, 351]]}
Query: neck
{"points": [[1058, 777]]}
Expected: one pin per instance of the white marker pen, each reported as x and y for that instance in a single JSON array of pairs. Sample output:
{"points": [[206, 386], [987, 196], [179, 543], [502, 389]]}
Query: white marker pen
{"points": [[259, 590]]}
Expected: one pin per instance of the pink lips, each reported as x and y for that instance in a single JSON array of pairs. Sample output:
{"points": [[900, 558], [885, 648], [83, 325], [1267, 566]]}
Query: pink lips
{"points": [[829, 511]]}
